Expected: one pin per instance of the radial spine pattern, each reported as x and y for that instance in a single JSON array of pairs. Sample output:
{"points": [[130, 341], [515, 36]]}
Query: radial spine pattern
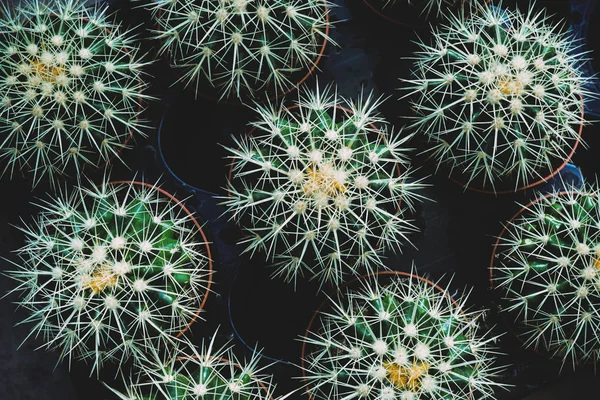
{"points": [[499, 97], [242, 48], [322, 187], [547, 269], [108, 271], [405, 339], [71, 91]]}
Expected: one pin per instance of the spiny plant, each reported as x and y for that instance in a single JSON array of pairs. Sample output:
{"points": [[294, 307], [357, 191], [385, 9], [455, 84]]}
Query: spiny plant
{"points": [[108, 271], [499, 97], [546, 268], [243, 48], [426, 7], [398, 337], [323, 186], [211, 371], [71, 92]]}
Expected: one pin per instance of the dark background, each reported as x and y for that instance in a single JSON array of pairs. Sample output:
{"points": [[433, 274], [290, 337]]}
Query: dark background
{"points": [[184, 152]]}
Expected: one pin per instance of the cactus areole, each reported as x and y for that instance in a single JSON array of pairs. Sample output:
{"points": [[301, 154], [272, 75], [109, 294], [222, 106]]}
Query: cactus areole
{"points": [[546, 268]]}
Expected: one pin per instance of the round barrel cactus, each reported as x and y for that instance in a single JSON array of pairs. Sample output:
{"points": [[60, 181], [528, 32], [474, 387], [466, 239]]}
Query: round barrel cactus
{"points": [[209, 371], [241, 48], [323, 187], [499, 97], [71, 90], [546, 268], [107, 272], [398, 336]]}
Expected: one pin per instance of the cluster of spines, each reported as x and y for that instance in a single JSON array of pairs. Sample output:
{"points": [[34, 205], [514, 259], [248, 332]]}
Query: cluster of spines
{"points": [[546, 268], [110, 270], [403, 339], [499, 97], [243, 48], [323, 187], [209, 371], [72, 88]]}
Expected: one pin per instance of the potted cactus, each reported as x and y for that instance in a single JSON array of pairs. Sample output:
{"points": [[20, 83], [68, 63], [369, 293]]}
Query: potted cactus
{"points": [[208, 371], [544, 268], [397, 336], [241, 49], [499, 98], [107, 272], [323, 188], [71, 94]]}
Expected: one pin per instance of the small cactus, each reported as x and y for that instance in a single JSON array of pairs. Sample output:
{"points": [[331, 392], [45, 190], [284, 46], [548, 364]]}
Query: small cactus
{"points": [[243, 48], [71, 90], [322, 187], [210, 371], [108, 271], [499, 97], [547, 270], [402, 338]]}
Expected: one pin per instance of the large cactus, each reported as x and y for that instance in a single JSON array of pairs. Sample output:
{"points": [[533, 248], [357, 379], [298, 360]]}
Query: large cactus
{"points": [[322, 187], [243, 48], [109, 271], [546, 269], [71, 91], [499, 97], [399, 337]]}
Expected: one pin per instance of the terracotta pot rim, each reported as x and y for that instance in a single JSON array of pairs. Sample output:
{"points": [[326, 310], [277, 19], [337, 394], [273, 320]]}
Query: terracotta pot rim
{"points": [[200, 230], [240, 102]]}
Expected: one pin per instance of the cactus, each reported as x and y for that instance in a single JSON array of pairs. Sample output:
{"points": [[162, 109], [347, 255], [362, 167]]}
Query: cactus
{"points": [[499, 97], [108, 271], [71, 91], [211, 371], [322, 187], [546, 270], [243, 48], [402, 338]]}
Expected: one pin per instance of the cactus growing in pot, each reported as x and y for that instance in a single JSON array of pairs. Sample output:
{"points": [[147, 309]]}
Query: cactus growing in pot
{"points": [[398, 336], [322, 189], [499, 98], [545, 268], [209, 371], [72, 89], [107, 272], [241, 48]]}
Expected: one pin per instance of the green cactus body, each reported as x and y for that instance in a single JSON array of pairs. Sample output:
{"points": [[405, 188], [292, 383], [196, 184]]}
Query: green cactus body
{"points": [[108, 271], [546, 269], [402, 339], [210, 372], [71, 91], [243, 48], [499, 98], [320, 188]]}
